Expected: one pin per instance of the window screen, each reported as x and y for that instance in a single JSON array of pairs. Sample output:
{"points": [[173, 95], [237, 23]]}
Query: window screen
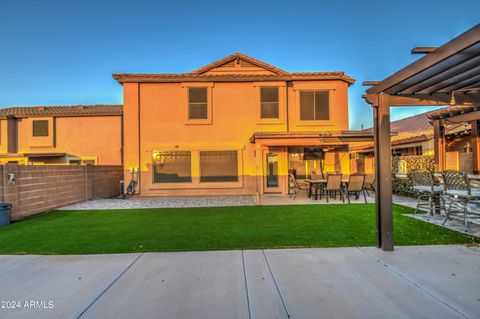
{"points": [[218, 166], [172, 167], [314, 105], [40, 128], [197, 103], [269, 102]]}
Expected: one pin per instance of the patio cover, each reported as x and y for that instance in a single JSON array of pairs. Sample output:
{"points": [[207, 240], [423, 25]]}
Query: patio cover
{"points": [[452, 69], [310, 138]]}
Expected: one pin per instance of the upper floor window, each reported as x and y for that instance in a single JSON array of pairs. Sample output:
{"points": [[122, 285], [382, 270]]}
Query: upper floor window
{"points": [[197, 103], [40, 127], [269, 103], [314, 106]]}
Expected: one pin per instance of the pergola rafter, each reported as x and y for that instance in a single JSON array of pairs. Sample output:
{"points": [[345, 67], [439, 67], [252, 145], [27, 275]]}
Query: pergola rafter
{"points": [[449, 72]]}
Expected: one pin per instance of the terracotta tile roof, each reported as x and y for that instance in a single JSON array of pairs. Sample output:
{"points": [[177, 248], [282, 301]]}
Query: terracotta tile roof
{"points": [[73, 110], [452, 111], [418, 128], [198, 75], [411, 129]]}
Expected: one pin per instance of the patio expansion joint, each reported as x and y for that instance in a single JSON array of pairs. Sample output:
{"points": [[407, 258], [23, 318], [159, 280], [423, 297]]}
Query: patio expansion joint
{"points": [[109, 286], [246, 285], [412, 282], [276, 285]]}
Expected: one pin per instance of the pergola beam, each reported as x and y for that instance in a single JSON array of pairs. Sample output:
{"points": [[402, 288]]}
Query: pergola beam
{"points": [[422, 50], [448, 50]]}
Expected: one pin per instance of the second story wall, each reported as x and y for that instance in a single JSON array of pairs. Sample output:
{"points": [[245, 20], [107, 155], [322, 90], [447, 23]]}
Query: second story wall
{"points": [[96, 138], [234, 112]]}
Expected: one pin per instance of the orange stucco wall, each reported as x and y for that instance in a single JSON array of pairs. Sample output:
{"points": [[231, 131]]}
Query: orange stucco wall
{"points": [[90, 137], [155, 119]]}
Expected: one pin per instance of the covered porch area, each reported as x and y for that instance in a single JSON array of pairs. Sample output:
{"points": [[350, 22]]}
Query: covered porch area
{"points": [[303, 155]]}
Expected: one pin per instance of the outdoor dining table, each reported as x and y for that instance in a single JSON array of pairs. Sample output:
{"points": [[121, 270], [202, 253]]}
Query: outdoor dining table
{"points": [[314, 182], [472, 177]]}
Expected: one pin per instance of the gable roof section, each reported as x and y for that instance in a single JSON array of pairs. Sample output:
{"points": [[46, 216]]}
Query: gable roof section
{"points": [[73, 110], [241, 57], [206, 73]]}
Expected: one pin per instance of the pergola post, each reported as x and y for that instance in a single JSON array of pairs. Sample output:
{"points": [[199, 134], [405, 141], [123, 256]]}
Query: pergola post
{"points": [[383, 173], [439, 145], [475, 144]]}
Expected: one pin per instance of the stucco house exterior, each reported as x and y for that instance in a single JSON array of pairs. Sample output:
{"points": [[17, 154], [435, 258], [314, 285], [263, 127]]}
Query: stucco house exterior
{"points": [[236, 126], [80, 134]]}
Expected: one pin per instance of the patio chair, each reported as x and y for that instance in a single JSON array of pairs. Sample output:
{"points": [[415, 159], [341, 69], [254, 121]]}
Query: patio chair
{"points": [[424, 183], [355, 186], [294, 186], [460, 193], [315, 176], [369, 183], [333, 185]]}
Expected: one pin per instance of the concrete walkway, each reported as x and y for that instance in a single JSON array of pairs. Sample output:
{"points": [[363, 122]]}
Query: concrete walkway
{"points": [[412, 282]]}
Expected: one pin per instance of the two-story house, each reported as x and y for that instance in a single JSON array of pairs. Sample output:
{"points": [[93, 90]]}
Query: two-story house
{"points": [[237, 126], [81, 134]]}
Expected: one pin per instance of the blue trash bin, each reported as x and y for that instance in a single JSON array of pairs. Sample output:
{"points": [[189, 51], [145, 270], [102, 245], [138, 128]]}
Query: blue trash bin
{"points": [[5, 213]]}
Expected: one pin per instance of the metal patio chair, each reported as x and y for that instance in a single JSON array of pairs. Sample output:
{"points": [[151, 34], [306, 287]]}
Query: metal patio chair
{"points": [[430, 191], [355, 186], [294, 186], [460, 193], [331, 187], [369, 183]]}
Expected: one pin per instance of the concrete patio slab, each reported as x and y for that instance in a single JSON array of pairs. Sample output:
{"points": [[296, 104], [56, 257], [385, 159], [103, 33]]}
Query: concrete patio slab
{"points": [[302, 199], [67, 283], [455, 224], [7, 263], [178, 285], [411, 282], [263, 293], [446, 272], [346, 283]]}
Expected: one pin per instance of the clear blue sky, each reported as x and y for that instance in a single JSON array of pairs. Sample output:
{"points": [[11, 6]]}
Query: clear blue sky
{"points": [[64, 52]]}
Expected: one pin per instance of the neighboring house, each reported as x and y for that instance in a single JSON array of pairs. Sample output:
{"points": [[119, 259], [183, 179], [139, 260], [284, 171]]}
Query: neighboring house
{"points": [[236, 126], [410, 136], [414, 135], [82, 134]]}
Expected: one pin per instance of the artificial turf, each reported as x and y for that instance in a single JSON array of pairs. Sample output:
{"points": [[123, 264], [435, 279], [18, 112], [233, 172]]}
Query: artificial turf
{"points": [[220, 228]]}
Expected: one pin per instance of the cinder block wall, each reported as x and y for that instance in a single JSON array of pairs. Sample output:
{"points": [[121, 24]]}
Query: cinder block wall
{"points": [[37, 189]]}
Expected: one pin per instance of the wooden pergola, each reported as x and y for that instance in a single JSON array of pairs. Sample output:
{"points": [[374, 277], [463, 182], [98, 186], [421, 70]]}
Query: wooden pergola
{"points": [[449, 74]]}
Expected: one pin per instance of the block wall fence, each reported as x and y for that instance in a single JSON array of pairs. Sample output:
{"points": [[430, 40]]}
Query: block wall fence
{"points": [[40, 188]]}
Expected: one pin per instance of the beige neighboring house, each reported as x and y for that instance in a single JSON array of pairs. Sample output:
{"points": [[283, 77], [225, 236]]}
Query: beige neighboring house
{"points": [[78, 134], [410, 136], [414, 136]]}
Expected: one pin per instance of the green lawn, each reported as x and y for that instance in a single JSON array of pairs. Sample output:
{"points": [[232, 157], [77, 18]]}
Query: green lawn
{"points": [[184, 229]]}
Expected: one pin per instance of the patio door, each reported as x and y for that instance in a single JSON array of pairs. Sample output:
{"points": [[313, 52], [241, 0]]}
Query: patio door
{"points": [[274, 175]]}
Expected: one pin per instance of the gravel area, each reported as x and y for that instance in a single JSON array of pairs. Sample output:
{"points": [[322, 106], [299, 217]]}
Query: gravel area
{"points": [[164, 202]]}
